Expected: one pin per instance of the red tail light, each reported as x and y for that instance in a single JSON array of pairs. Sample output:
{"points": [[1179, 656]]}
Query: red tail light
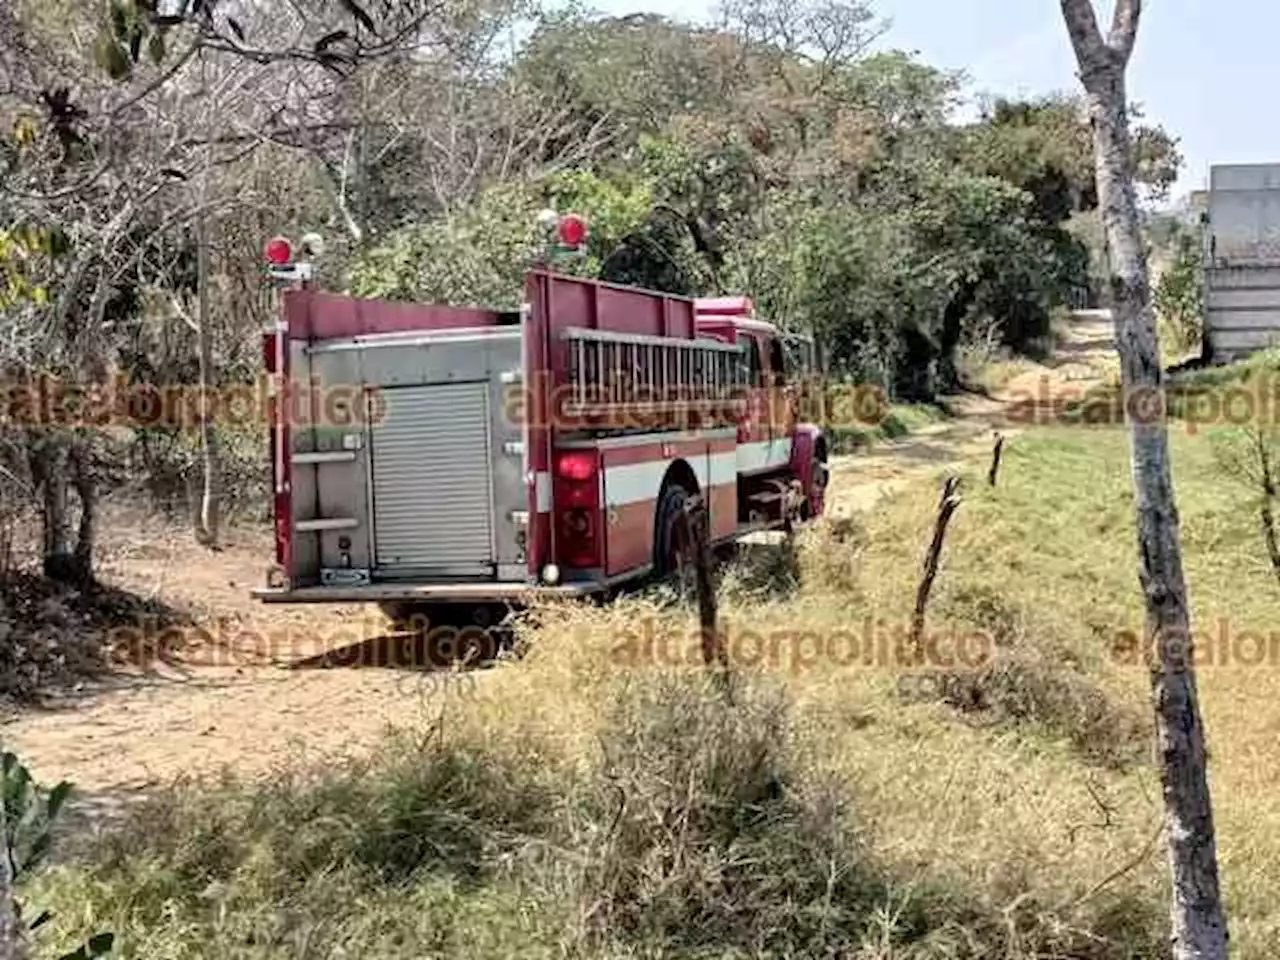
{"points": [[578, 465], [577, 524], [577, 501]]}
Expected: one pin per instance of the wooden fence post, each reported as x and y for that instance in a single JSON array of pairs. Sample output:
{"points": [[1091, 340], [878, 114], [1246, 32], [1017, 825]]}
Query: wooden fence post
{"points": [[714, 655], [947, 505], [995, 459]]}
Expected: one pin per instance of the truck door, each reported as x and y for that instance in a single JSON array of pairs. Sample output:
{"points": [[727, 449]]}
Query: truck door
{"points": [[753, 432], [783, 402]]}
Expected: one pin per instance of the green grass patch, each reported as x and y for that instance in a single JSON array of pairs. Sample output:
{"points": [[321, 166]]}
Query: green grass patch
{"points": [[1045, 563], [900, 420], [1263, 364]]}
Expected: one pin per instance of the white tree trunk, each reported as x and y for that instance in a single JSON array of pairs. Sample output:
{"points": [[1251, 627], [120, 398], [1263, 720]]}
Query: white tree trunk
{"points": [[1199, 927], [207, 523]]}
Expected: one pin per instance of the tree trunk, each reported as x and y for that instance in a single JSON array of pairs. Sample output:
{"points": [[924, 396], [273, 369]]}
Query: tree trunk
{"points": [[1267, 507], [207, 524], [87, 490], [48, 457], [1199, 928]]}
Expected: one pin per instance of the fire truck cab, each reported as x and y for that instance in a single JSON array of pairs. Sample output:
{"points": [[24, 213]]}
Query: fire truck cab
{"points": [[454, 455]]}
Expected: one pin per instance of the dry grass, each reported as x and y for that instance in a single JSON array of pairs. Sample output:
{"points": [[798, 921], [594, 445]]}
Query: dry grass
{"points": [[593, 803]]}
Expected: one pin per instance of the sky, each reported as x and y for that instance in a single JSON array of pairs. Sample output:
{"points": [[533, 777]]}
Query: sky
{"points": [[1208, 71]]}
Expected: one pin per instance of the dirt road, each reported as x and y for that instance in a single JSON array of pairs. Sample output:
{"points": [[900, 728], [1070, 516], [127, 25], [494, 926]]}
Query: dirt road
{"points": [[1083, 358], [226, 696]]}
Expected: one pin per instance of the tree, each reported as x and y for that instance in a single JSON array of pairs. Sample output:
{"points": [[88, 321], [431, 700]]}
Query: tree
{"points": [[1199, 926], [100, 178], [1179, 291], [1248, 457]]}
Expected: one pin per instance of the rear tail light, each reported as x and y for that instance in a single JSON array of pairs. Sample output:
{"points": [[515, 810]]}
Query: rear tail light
{"points": [[577, 465], [577, 499], [577, 523]]}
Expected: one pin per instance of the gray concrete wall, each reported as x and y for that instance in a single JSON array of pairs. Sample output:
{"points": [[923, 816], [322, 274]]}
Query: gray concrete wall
{"points": [[1242, 310], [1242, 280], [1244, 213]]}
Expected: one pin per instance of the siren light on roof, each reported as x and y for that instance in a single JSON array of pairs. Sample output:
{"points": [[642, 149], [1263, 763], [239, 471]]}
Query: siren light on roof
{"points": [[278, 251], [572, 230]]}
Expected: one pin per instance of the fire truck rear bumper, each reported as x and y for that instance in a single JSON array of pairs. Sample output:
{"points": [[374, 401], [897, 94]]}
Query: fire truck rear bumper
{"points": [[426, 593]]}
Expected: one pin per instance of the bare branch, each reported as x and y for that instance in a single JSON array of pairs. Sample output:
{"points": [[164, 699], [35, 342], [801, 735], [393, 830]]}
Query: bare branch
{"points": [[159, 81], [1124, 27], [344, 208], [1086, 37]]}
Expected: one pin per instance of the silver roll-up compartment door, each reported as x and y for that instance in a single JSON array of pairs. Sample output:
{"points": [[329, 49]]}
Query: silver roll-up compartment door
{"points": [[432, 483]]}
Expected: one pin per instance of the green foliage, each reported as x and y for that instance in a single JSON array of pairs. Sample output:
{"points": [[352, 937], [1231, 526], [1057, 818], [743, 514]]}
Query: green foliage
{"points": [[29, 815], [1179, 293], [130, 30], [474, 257], [26, 252], [479, 255], [642, 70], [888, 288], [837, 195], [1156, 156]]}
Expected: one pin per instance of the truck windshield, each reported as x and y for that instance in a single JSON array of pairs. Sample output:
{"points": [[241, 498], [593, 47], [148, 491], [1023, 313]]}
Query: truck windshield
{"points": [[799, 356]]}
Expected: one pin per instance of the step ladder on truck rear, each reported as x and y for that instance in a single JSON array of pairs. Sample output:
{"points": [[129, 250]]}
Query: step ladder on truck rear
{"points": [[438, 455]]}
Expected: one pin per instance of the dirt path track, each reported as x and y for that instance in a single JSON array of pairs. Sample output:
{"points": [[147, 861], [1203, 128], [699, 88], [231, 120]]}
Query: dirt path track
{"points": [[1085, 353]]}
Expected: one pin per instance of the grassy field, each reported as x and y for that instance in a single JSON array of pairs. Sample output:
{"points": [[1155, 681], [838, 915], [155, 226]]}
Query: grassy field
{"points": [[601, 799]]}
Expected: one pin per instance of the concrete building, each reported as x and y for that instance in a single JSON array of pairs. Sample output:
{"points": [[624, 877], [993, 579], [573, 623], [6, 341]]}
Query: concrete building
{"points": [[1242, 274]]}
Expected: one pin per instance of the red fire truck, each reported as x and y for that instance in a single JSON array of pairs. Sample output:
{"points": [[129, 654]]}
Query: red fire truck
{"points": [[438, 455]]}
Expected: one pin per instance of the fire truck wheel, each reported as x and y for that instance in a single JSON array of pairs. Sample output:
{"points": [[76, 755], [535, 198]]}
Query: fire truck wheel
{"points": [[398, 612], [671, 549], [818, 478]]}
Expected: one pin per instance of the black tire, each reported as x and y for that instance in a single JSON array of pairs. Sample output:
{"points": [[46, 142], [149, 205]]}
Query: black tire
{"points": [[448, 634], [666, 546], [817, 468], [402, 611]]}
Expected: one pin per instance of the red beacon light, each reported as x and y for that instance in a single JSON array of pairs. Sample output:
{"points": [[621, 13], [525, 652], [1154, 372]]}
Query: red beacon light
{"points": [[572, 230], [278, 251]]}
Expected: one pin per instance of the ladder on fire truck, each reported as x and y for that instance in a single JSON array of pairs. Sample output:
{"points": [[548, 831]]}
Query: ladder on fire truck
{"points": [[632, 381]]}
